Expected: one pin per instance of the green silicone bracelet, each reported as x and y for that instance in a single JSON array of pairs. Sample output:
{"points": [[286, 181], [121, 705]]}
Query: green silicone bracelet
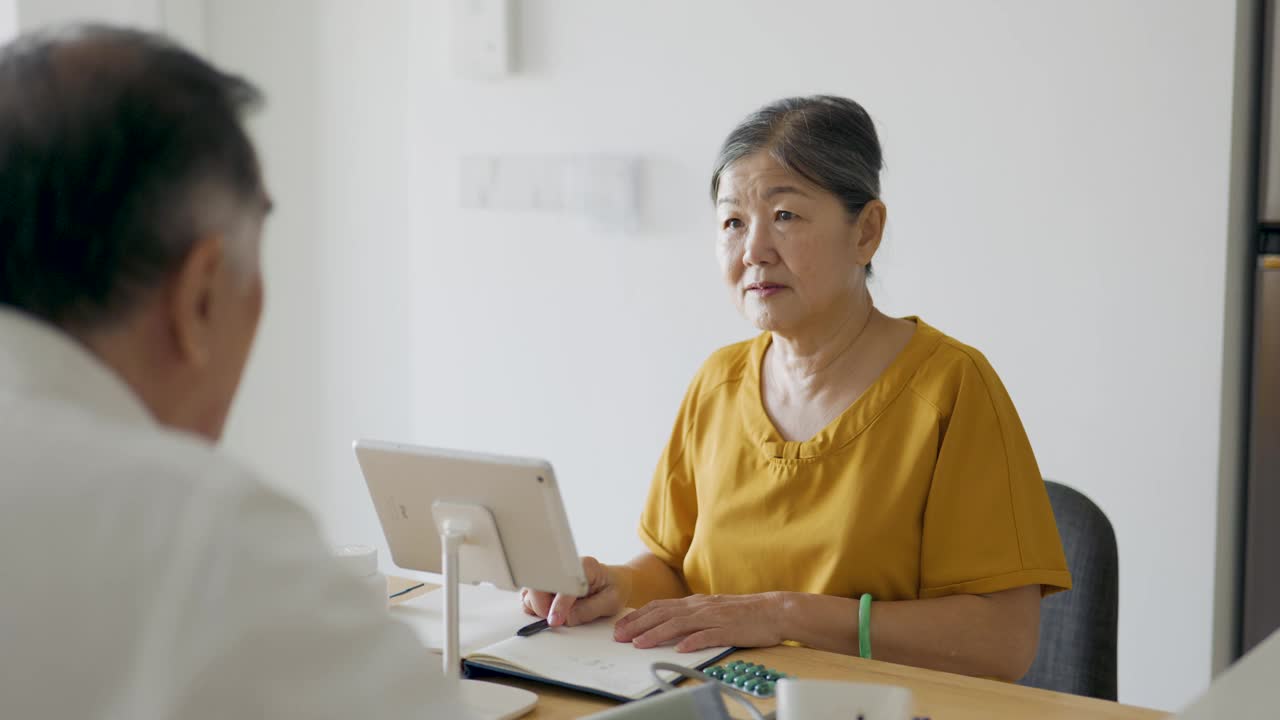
{"points": [[864, 626]]}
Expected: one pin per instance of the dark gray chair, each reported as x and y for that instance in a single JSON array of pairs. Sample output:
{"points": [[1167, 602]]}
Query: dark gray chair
{"points": [[1078, 627]]}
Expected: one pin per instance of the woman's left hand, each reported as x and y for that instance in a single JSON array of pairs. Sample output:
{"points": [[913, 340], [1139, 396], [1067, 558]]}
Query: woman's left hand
{"points": [[702, 621]]}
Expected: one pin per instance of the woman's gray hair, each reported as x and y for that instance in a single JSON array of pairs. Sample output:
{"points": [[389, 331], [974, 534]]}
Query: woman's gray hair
{"points": [[828, 140]]}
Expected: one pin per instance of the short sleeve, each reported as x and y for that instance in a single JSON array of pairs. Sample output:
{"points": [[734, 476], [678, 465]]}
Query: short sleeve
{"points": [[988, 525], [671, 509]]}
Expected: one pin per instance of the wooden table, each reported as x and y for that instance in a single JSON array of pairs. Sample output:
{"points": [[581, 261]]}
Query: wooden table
{"points": [[938, 695]]}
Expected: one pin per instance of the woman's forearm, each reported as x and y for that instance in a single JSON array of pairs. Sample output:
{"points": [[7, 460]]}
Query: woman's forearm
{"points": [[648, 578], [983, 635]]}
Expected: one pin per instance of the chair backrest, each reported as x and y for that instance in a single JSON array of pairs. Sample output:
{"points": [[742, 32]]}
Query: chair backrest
{"points": [[1078, 628]]}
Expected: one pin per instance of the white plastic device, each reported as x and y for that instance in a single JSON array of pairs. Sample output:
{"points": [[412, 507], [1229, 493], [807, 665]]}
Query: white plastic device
{"points": [[1246, 690], [800, 699]]}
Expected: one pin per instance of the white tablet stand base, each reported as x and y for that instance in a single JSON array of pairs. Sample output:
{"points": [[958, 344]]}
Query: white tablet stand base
{"points": [[467, 531]]}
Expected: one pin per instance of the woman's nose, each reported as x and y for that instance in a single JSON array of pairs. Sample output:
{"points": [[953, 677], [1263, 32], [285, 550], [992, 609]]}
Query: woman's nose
{"points": [[759, 247]]}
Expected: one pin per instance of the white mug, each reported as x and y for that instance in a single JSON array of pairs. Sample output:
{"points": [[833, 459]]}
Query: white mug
{"points": [[361, 561], [832, 700]]}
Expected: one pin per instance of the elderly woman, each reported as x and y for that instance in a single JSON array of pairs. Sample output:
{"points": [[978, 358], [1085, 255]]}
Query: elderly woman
{"points": [[841, 456]]}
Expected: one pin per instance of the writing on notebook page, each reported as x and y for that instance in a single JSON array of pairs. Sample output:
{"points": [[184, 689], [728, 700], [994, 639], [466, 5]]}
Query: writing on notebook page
{"points": [[587, 655]]}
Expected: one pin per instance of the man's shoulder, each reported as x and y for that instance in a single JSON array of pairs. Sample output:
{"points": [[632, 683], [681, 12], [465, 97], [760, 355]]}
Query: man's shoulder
{"points": [[185, 461], [56, 448]]}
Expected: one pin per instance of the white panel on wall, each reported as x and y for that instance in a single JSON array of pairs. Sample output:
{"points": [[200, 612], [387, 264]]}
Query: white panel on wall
{"points": [[480, 36], [1057, 186], [603, 190]]}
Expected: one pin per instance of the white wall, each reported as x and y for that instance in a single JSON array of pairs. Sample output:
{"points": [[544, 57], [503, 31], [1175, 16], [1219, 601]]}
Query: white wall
{"points": [[37, 13], [181, 19], [1058, 191], [8, 20]]}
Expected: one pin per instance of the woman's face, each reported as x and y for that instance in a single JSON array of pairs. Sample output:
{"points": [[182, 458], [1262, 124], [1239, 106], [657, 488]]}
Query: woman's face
{"points": [[789, 251]]}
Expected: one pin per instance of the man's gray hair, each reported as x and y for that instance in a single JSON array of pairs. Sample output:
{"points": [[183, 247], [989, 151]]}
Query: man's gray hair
{"points": [[110, 143]]}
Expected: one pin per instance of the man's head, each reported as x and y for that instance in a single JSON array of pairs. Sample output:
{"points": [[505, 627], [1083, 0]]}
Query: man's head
{"points": [[131, 207]]}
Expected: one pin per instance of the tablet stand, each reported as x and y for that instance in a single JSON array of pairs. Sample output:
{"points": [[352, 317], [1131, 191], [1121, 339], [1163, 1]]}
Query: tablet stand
{"points": [[469, 534]]}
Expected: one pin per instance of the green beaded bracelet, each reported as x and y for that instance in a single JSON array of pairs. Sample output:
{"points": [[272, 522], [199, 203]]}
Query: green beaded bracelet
{"points": [[864, 626]]}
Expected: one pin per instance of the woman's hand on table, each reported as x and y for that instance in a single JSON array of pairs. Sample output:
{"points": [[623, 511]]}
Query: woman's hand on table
{"points": [[607, 592], [701, 621]]}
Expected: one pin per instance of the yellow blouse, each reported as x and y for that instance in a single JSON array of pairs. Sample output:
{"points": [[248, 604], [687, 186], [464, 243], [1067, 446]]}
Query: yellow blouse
{"points": [[925, 486]]}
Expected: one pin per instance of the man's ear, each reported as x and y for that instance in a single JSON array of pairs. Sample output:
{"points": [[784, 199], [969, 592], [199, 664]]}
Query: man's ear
{"points": [[191, 300], [869, 231]]}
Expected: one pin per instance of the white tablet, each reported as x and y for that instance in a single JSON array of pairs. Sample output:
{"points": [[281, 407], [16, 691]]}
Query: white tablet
{"points": [[405, 481]]}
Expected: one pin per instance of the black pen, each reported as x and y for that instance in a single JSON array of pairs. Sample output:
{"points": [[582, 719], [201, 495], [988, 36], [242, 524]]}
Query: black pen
{"points": [[532, 628]]}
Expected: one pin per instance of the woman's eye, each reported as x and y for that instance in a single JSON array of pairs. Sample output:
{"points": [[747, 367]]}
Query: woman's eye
{"points": [[732, 224], [785, 215]]}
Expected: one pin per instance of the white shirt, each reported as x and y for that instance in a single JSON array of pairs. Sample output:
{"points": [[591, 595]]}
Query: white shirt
{"points": [[143, 575]]}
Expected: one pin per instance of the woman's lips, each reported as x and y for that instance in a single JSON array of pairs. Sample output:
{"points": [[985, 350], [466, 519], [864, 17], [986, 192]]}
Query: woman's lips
{"points": [[765, 289]]}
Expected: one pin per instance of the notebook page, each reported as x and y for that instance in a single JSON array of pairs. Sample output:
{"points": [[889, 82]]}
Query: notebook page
{"points": [[587, 655], [486, 615]]}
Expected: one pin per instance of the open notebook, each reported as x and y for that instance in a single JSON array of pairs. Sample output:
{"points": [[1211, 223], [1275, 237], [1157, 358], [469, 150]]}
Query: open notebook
{"points": [[585, 658]]}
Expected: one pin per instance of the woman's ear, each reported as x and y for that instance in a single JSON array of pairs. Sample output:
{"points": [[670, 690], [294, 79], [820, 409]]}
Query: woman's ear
{"points": [[191, 301], [869, 231]]}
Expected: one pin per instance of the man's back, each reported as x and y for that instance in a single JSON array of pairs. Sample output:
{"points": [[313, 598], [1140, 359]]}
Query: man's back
{"points": [[144, 576]]}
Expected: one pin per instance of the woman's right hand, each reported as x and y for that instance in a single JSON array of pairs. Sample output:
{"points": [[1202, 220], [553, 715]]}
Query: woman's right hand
{"points": [[608, 588]]}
